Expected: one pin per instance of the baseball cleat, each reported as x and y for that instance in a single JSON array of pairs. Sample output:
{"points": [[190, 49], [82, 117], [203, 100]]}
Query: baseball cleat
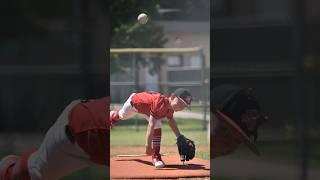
{"points": [[157, 162], [5, 163]]}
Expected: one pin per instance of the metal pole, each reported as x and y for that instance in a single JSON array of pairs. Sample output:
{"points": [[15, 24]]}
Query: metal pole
{"points": [[136, 75], [298, 54], [136, 80], [204, 89]]}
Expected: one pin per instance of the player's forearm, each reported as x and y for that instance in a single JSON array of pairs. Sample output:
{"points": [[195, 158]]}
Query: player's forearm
{"points": [[173, 125]]}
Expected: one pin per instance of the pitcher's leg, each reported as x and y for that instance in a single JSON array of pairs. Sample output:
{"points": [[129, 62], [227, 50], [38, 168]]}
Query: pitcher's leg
{"points": [[126, 112], [156, 139], [156, 143]]}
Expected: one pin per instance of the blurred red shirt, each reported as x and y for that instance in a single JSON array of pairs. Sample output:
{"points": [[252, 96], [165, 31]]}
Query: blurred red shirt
{"points": [[88, 122]]}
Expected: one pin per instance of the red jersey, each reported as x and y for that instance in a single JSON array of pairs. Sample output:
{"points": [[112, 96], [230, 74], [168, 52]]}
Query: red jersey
{"points": [[88, 122], [152, 103]]}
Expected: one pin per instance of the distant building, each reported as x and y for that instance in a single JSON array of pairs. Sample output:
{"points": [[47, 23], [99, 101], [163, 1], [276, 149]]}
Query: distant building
{"points": [[187, 69]]}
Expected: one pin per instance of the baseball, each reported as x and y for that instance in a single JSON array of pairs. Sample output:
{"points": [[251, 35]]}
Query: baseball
{"points": [[143, 18]]}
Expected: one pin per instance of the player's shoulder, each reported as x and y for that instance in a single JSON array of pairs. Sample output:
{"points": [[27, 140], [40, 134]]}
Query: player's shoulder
{"points": [[149, 93], [155, 97], [161, 100]]}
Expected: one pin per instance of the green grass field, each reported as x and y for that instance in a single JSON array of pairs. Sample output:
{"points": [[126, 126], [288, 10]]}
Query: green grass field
{"points": [[126, 134]]}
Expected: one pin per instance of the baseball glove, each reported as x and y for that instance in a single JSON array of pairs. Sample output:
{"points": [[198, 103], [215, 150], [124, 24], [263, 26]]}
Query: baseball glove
{"points": [[186, 148], [237, 117]]}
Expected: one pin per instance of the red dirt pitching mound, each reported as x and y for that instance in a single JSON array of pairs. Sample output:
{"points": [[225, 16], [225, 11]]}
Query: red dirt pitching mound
{"points": [[142, 168]]}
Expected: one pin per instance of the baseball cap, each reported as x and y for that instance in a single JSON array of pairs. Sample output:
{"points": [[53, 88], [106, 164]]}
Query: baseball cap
{"points": [[237, 130], [184, 95]]}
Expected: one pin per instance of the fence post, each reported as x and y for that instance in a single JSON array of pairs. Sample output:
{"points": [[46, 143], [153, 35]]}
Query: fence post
{"points": [[204, 89], [300, 86]]}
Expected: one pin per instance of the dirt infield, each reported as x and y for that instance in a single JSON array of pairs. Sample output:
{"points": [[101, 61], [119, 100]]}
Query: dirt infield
{"points": [[140, 149], [142, 168]]}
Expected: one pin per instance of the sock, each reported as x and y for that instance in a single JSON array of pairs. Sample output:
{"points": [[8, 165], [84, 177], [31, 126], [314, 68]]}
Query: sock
{"points": [[156, 140]]}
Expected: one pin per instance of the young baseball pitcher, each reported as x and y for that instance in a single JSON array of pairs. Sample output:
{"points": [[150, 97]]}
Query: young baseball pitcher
{"points": [[78, 139], [155, 107]]}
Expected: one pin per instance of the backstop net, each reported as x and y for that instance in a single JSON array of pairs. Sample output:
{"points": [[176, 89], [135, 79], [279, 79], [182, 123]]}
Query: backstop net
{"points": [[162, 70]]}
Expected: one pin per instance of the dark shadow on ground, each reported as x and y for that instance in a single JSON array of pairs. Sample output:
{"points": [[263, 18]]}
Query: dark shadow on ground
{"points": [[185, 166]]}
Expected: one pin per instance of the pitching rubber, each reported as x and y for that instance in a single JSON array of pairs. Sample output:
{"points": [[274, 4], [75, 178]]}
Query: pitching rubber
{"points": [[136, 155]]}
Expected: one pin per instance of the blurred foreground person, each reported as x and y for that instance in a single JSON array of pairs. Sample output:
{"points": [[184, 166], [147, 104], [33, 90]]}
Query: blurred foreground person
{"points": [[236, 119], [78, 139]]}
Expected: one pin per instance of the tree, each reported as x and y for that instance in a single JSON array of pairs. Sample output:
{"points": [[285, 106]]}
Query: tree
{"points": [[126, 32]]}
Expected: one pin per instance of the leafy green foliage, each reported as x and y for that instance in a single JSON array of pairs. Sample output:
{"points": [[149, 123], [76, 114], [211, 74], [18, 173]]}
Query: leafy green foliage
{"points": [[126, 32]]}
